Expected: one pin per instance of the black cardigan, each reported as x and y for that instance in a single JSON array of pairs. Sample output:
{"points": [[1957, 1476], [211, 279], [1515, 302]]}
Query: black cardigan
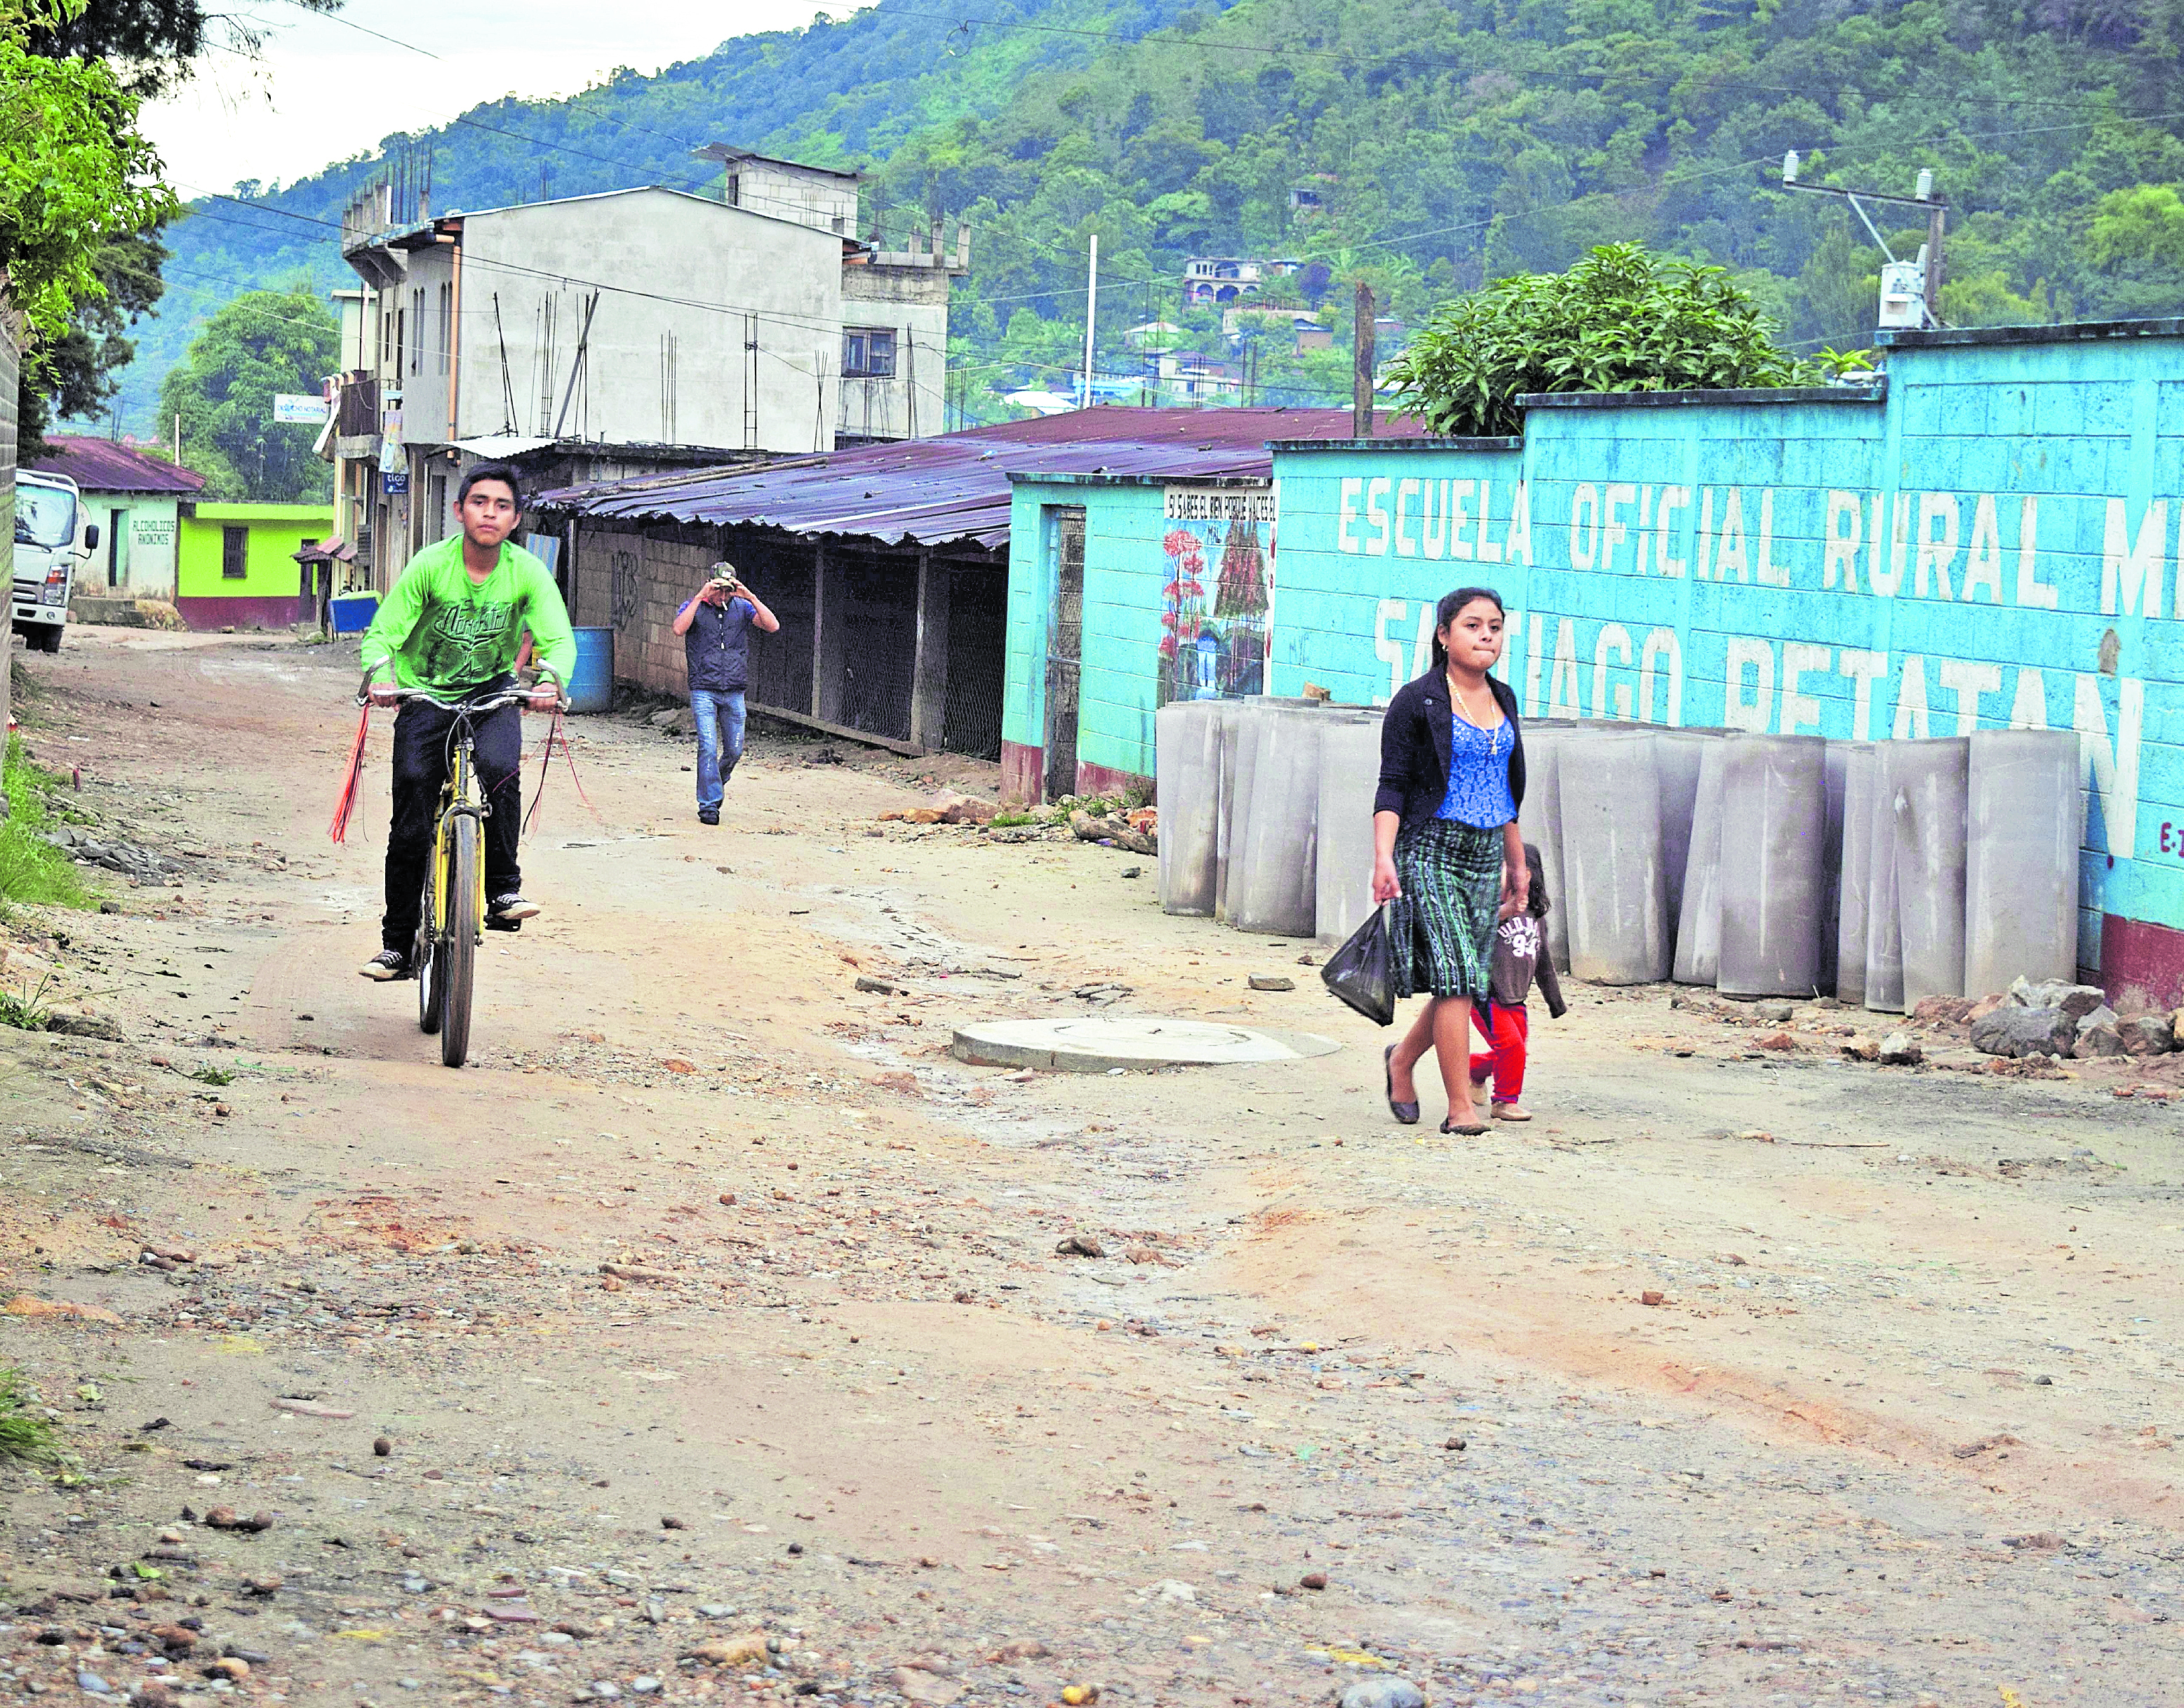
{"points": [[1414, 747]]}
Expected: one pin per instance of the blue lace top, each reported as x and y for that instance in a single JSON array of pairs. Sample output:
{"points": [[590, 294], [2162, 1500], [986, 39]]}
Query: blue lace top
{"points": [[1479, 775]]}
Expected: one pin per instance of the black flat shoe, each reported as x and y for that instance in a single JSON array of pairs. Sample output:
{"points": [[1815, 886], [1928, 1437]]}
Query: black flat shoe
{"points": [[1469, 1130], [1407, 1114]]}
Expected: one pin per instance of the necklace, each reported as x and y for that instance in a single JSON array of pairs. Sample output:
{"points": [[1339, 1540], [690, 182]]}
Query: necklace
{"points": [[1455, 699]]}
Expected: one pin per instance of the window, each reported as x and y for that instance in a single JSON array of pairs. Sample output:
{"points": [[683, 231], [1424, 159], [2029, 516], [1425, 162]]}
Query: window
{"points": [[234, 553], [447, 306], [417, 349], [868, 353], [735, 195]]}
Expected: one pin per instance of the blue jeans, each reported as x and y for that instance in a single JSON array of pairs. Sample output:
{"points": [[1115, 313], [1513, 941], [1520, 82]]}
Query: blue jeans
{"points": [[720, 714]]}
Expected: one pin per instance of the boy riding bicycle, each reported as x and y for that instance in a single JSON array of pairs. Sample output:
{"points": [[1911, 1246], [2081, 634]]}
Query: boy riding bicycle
{"points": [[452, 627]]}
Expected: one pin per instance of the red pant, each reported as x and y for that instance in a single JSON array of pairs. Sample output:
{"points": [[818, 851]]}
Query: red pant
{"points": [[1505, 1057]]}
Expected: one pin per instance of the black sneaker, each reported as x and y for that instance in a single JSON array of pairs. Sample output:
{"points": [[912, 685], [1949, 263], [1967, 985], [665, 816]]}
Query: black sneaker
{"points": [[387, 964], [709, 815], [511, 909]]}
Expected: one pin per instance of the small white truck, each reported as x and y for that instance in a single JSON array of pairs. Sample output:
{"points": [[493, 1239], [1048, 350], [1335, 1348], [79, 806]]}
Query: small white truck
{"points": [[51, 538]]}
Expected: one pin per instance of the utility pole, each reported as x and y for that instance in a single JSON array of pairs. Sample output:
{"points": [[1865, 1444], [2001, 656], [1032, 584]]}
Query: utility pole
{"points": [[1091, 308], [1928, 266], [1361, 401]]}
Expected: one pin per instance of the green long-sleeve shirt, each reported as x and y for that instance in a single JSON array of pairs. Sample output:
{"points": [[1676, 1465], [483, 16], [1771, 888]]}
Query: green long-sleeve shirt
{"points": [[445, 633]]}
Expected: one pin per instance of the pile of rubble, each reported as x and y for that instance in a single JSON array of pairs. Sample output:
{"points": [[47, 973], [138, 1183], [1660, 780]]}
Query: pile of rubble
{"points": [[2055, 1018]]}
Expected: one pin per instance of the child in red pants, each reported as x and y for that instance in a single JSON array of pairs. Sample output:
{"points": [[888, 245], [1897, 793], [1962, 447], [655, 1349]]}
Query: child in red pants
{"points": [[1520, 956]]}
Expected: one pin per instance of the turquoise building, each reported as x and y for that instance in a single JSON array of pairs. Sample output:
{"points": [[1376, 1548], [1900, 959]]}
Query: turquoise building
{"points": [[1991, 536]]}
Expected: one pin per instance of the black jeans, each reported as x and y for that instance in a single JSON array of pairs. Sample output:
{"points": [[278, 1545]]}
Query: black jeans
{"points": [[421, 767]]}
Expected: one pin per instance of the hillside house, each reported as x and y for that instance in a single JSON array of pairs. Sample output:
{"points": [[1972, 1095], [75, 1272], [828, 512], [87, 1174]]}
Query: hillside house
{"points": [[624, 334]]}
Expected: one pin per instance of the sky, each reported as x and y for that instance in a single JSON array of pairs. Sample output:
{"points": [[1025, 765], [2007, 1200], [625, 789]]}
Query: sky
{"points": [[325, 89]]}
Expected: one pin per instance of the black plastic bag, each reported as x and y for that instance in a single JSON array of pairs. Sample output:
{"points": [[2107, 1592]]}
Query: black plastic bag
{"points": [[1362, 973]]}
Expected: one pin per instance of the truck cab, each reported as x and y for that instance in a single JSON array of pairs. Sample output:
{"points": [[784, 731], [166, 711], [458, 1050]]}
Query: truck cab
{"points": [[51, 538]]}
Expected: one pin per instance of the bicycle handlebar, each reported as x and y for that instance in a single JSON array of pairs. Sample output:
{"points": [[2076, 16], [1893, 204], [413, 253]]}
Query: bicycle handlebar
{"points": [[491, 702]]}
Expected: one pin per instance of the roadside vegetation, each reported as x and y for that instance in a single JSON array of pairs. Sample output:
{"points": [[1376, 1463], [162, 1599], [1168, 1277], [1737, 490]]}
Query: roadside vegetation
{"points": [[33, 873], [27, 1435]]}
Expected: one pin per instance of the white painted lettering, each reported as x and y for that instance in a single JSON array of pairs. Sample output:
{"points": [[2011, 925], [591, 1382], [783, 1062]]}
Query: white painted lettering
{"points": [[1706, 534], [1459, 519], [1645, 531], [2032, 593], [1766, 572], [1839, 549], [1864, 669], [1936, 552], [2028, 709], [1662, 644], [1422, 642], [2130, 570], [1673, 499], [1376, 491], [1518, 546], [1752, 712], [1585, 514], [1889, 583], [1346, 515], [1406, 546], [1562, 686], [1800, 712], [1532, 665], [2114, 768], [1968, 681], [1735, 552], [1616, 638], [1983, 564], [1911, 721], [1433, 534], [1612, 497], [1386, 646]]}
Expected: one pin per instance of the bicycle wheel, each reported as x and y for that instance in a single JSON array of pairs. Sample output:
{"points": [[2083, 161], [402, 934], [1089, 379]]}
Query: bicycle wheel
{"points": [[457, 950], [428, 971]]}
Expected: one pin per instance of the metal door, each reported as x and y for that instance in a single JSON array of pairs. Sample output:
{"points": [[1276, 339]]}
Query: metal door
{"points": [[1064, 644]]}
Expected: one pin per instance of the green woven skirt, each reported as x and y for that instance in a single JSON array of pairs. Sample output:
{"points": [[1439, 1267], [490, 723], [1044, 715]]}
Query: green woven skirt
{"points": [[1441, 929]]}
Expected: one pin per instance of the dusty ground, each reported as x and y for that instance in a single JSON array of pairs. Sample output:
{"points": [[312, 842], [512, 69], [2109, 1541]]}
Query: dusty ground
{"points": [[1901, 1429]]}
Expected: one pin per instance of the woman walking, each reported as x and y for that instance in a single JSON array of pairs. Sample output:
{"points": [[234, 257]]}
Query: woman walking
{"points": [[1447, 851]]}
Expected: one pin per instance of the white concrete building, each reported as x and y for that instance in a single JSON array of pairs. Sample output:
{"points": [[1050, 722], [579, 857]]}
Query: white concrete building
{"points": [[627, 332]]}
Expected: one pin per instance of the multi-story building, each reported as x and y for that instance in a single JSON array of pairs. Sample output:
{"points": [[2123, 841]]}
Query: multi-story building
{"points": [[1209, 280], [623, 334]]}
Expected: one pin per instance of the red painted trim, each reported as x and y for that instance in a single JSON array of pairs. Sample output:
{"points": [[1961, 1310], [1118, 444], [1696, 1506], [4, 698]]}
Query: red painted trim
{"points": [[1102, 779], [1024, 773], [202, 613], [2141, 964]]}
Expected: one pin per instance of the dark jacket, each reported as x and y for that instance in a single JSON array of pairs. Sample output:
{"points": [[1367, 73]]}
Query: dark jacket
{"points": [[717, 645], [1415, 736], [1521, 956]]}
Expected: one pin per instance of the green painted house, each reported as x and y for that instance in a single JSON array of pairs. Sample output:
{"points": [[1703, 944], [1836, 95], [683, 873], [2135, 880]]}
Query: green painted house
{"points": [[235, 564]]}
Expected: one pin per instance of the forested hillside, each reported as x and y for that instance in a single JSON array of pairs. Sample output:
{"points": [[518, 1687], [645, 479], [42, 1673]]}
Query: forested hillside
{"points": [[1446, 144]]}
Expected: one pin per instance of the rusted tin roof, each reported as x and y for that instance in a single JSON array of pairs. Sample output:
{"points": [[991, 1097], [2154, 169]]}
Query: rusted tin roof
{"points": [[954, 488], [99, 465]]}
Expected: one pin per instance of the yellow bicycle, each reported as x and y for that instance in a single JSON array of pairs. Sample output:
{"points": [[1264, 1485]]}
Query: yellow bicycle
{"points": [[451, 925]]}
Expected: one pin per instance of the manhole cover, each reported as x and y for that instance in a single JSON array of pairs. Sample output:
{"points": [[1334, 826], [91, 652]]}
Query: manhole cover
{"points": [[1093, 1045]]}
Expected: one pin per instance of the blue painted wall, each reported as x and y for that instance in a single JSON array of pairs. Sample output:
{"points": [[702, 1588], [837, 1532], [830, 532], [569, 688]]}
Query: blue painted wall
{"points": [[1997, 541]]}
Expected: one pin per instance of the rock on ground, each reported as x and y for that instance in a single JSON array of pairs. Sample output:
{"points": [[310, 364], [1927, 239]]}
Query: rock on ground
{"points": [[2015, 1031]]}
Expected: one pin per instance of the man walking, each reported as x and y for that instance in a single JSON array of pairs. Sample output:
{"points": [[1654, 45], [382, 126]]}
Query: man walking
{"points": [[715, 627]]}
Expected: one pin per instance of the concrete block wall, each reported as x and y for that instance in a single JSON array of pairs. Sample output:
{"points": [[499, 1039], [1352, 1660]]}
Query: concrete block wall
{"points": [[1994, 539], [646, 650]]}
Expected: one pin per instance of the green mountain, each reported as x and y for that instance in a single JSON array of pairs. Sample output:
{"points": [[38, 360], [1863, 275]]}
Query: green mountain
{"points": [[1436, 145]]}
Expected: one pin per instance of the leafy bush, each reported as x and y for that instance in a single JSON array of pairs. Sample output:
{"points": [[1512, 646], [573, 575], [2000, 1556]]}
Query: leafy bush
{"points": [[31, 869], [1621, 320]]}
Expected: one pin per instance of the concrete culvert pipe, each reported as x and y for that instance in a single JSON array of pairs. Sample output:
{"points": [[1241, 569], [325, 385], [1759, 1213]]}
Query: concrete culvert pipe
{"points": [[1861, 797], [1928, 782], [1273, 879], [1540, 817], [1240, 749], [1773, 878], [1836, 762], [1187, 773], [1678, 757], [2025, 813], [1613, 890], [1698, 919], [1349, 778], [1883, 927]]}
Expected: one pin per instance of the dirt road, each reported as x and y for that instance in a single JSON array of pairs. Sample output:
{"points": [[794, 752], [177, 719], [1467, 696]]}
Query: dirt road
{"points": [[713, 1323]]}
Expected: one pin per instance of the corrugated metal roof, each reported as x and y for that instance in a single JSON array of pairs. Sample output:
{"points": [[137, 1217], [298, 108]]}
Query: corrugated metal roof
{"points": [[99, 465], [956, 488]]}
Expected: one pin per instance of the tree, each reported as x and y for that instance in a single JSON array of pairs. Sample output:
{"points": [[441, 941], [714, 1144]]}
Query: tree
{"points": [[73, 175], [1621, 320], [263, 343], [147, 47]]}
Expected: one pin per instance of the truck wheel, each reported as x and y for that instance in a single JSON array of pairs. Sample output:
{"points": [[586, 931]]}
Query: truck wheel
{"points": [[49, 638]]}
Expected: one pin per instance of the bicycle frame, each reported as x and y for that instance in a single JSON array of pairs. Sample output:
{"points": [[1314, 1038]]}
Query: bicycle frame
{"points": [[457, 801]]}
